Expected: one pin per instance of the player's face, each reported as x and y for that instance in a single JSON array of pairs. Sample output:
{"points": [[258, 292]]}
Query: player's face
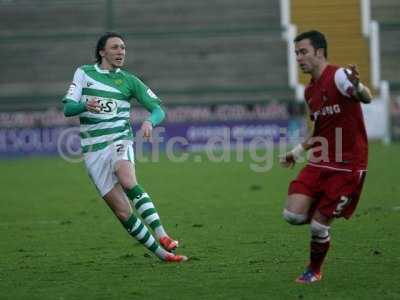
{"points": [[113, 54], [307, 57]]}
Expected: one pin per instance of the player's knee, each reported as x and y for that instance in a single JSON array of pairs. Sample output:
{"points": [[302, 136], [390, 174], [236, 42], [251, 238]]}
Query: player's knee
{"points": [[122, 215], [127, 183], [293, 218], [319, 232], [125, 176]]}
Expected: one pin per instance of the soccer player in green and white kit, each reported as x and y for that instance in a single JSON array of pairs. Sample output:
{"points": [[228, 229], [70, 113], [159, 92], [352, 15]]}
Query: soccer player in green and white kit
{"points": [[100, 95]]}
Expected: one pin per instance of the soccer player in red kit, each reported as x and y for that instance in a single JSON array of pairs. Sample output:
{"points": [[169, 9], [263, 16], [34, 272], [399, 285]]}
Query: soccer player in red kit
{"points": [[330, 184]]}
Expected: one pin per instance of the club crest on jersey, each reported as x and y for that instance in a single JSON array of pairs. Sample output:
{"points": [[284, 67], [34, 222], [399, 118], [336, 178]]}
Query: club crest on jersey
{"points": [[118, 81]]}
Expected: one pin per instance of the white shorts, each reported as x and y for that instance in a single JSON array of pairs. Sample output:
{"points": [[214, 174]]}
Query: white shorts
{"points": [[101, 164]]}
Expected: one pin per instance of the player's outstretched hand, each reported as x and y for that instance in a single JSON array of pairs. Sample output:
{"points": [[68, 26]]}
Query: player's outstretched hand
{"points": [[287, 160], [147, 129], [353, 75], [93, 106]]}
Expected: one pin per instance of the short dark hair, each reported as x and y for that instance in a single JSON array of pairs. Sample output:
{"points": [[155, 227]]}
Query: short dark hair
{"points": [[101, 43], [317, 39]]}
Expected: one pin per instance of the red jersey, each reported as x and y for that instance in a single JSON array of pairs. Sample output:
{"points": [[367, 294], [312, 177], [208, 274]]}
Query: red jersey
{"points": [[339, 130]]}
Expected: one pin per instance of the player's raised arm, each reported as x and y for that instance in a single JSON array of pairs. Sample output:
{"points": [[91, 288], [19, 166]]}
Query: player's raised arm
{"points": [[361, 92]]}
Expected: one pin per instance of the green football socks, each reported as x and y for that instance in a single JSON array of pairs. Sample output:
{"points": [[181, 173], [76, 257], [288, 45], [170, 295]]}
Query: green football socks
{"points": [[145, 208], [139, 231]]}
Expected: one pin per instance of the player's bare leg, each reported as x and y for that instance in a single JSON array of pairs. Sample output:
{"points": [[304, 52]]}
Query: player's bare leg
{"points": [[118, 202], [297, 209], [319, 246], [297, 212], [142, 202]]}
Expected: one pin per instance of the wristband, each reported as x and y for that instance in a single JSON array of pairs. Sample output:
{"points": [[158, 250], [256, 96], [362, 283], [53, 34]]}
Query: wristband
{"points": [[297, 151]]}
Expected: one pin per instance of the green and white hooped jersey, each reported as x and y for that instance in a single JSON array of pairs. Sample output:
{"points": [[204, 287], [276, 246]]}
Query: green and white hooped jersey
{"points": [[113, 91]]}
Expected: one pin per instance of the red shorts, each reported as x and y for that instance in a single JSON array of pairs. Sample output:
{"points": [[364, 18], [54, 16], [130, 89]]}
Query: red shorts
{"points": [[336, 192]]}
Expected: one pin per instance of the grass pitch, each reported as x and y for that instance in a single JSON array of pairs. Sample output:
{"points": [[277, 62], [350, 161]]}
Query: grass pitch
{"points": [[60, 241]]}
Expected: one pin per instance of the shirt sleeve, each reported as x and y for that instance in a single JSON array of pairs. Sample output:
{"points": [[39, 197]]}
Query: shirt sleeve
{"points": [[74, 92], [73, 108], [157, 116], [343, 84], [146, 97]]}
